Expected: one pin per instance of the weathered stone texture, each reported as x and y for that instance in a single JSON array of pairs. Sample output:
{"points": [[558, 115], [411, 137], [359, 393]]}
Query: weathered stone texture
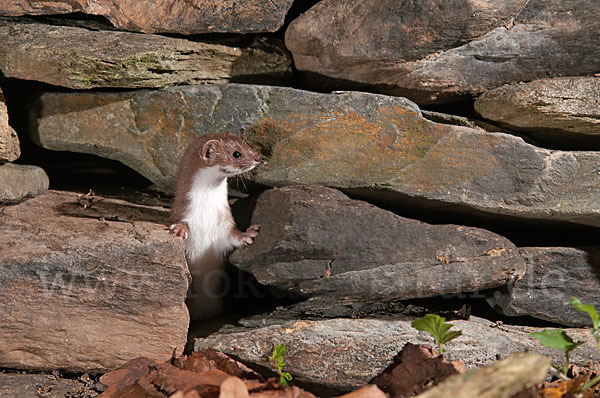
{"points": [[315, 240], [54, 55], [503, 379], [149, 130], [553, 276], [168, 16], [377, 146], [19, 182], [87, 289], [435, 51], [10, 149], [346, 353], [563, 109]]}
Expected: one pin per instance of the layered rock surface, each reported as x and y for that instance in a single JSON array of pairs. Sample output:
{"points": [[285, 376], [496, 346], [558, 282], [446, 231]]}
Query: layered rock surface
{"points": [[10, 149], [168, 16], [434, 51], [316, 241], [559, 110], [553, 276], [54, 54], [376, 146], [318, 351], [19, 182], [89, 283]]}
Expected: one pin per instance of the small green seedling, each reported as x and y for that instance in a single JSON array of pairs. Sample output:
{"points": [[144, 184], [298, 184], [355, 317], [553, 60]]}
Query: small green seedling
{"points": [[438, 328], [277, 358], [591, 311], [559, 339]]}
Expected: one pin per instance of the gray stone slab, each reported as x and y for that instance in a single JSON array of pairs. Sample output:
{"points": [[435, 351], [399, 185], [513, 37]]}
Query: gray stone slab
{"points": [[88, 284]]}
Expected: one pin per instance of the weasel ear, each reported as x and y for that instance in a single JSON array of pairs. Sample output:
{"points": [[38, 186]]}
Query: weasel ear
{"points": [[209, 152], [229, 134]]}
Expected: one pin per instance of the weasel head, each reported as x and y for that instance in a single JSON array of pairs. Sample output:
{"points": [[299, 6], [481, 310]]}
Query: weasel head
{"points": [[230, 154]]}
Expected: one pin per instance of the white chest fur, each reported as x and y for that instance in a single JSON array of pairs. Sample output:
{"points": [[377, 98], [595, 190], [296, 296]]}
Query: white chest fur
{"points": [[208, 215]]}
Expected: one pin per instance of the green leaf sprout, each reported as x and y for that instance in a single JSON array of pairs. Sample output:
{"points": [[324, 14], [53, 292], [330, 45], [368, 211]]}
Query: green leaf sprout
{"points": [[277, 358], [559, 339], [438, 328]]}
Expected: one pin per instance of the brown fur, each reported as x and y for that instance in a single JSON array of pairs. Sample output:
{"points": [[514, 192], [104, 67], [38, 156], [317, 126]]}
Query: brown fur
{"points": [[192, 161]]}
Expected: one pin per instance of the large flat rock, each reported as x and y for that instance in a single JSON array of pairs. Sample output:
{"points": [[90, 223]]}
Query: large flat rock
{"points": [[54, 54], [89, 283], [347, 353], [435, 51], [372, 145], [553, 276], [317, 241], [563, 109], [10, 149], [18, 182], [168, 16]]}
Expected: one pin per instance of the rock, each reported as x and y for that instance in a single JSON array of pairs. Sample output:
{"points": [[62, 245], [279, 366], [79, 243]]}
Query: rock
{"points": [[19, 182], [47, 386], [170, 16], [436, 51], [148, 130], [373, 146], [53, 54], [500, 380], [318, 351], [553, 276], [559, 110], [9, 141], [315, 240], [88, 284]]}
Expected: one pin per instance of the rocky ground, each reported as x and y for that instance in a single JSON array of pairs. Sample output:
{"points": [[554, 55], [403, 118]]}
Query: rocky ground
{"points": [[418, 157]]}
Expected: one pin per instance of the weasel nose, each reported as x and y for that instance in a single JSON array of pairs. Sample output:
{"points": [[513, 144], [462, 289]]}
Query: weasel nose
{"points": [[257, 158]]}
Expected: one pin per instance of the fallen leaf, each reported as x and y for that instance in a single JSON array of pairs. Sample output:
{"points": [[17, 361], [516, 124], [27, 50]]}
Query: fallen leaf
{"points": [[233, 387], [415, 369], [208, 359]]}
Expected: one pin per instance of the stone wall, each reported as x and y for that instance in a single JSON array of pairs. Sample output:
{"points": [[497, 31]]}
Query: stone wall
{"points": [[410, 150]]}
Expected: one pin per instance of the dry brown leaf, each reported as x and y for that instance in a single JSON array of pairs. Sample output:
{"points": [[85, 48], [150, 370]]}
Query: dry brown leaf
{"points": [[126, 382], [415, 369], [204, 374], [233, 387], [564, 388], [208, 359]]}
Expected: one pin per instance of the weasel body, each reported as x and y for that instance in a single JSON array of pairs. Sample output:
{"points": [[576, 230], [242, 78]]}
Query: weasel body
{"points": [[202, 217]]}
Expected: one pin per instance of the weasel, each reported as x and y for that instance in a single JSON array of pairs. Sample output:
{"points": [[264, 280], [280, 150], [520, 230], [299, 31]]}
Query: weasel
{"points": [[202, 217]]}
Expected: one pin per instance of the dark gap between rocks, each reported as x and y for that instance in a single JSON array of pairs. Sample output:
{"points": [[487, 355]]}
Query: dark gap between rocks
{"points": [[521, 231], [542, 138], [74, 19]]}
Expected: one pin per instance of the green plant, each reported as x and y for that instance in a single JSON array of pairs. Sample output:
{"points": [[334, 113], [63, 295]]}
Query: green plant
{"points": [[559, 339], [277, 358], [437, 327], [591, 311]]}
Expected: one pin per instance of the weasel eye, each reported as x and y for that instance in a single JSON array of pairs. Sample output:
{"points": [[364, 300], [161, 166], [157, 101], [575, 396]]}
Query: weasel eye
{"points": [[236, 155]]}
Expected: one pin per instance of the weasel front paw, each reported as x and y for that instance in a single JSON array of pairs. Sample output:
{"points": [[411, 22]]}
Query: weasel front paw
{"points": [[251, 233], [180, 230]]}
